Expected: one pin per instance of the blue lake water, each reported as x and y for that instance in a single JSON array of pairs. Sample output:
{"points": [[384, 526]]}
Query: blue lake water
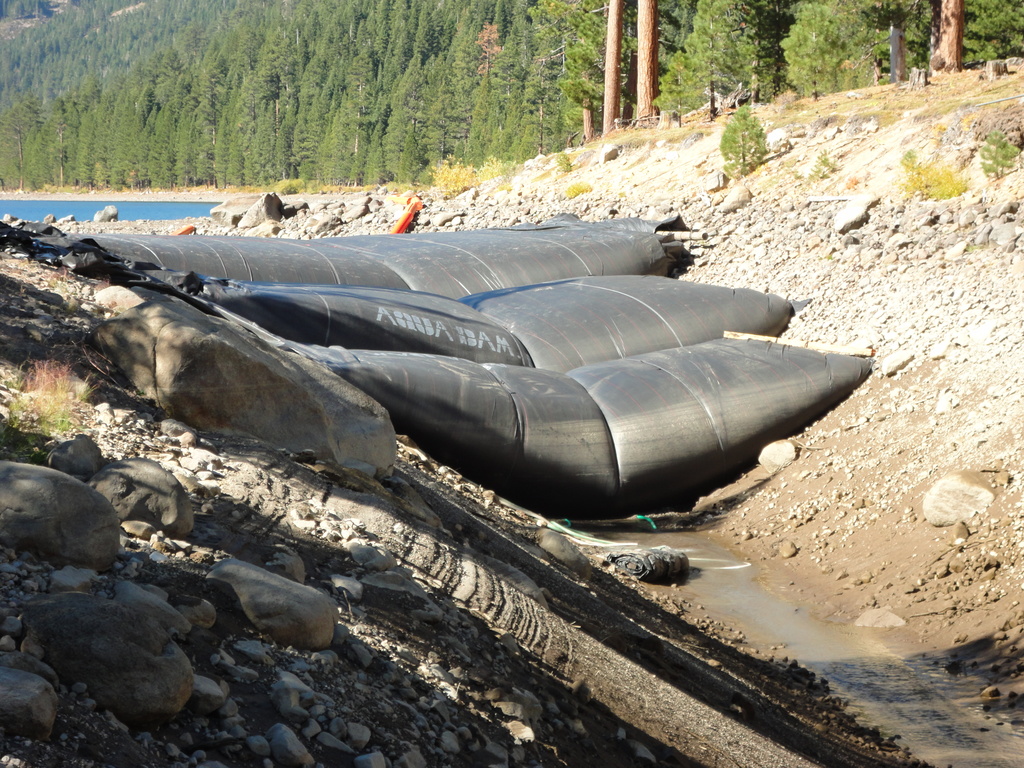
{"points": [[83, 210]]}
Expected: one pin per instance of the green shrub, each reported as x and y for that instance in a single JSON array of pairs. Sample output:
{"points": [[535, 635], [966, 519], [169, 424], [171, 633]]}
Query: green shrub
{"points": [[493, 168], [577, 188], [744, 146], [289, 187], [935, 181], [824, 166], [997, 155], [564, 163], [452, 178]]}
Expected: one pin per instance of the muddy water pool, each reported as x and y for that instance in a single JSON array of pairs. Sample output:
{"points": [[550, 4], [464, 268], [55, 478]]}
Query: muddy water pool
{"points": [[938, 716]]}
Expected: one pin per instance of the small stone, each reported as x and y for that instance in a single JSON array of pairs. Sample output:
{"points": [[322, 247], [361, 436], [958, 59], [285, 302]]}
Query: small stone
{"points": [[896, 362], [991, 692], [286, 748], [787, 549], [776, 456], [71, 579], [370, 760], [358, 735], [330, 741], [956, 497], [207, 696], [258, 745]]}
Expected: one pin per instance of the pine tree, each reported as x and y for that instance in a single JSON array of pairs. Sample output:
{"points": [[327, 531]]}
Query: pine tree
{"points": [[743, 144], [997, 154], [816, 48], [717, 56]]}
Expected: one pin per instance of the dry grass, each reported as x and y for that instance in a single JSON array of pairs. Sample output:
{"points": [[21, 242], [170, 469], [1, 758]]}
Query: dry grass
{"points": [[45, 399]]}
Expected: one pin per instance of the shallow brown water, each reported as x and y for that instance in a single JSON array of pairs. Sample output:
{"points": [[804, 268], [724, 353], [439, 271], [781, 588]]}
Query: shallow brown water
{"points": [[938, 716]]}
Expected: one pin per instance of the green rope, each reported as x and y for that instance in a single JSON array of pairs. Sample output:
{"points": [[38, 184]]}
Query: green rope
{"points": [[648, 520]]}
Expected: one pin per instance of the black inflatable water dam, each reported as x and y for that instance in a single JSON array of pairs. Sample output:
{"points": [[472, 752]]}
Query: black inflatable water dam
{"points": [[574, 393], [452, 264]]}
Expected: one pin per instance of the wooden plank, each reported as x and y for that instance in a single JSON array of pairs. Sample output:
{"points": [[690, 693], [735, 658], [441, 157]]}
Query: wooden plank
{"points": [[841, 349]]}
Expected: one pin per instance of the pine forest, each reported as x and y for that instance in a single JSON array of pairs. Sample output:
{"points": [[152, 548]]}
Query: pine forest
{"points": [[185, 93]]}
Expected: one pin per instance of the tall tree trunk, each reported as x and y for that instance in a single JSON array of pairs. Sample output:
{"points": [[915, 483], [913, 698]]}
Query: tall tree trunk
{"points": [[936, 27], [897, 55], [950, 55], [647, 58], [588, 124], [629, 94], [612, 64]]}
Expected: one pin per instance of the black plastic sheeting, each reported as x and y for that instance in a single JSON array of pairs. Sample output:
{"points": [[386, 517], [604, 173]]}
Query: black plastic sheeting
{"points": [[605, 439], [453, 264], [556, 326], [653, 564]]}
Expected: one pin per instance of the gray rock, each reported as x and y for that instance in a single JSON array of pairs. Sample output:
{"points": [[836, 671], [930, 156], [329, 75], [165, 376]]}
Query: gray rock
{"points": [[138, 529], [607, 153], [258, 745], [290, 613], [788, 549], [880, 618], [29, 663], [896, 362], [292, 697], [109, 213], [208, 374], [230, 212], [141, 489], [854, 215], [411, 759], [958, 496], [358, 735], [266, 208], [370, 557], [739, 197], [565, 552], [57, 517], [1002, 234], [207, 696], [197, 610], [715, 181], [79, 457], [126, 659], [776, 456], [355, 212], [28, 705], [370, 760], [71, 579], [430, 611], [442, 218], [132, 595], [117, 298], [286, 748], [330, 741], [778, 140]]}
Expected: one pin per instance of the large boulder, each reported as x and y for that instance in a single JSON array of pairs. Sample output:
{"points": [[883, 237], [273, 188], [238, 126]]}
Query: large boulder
{"points": [[212, 375], [28, 706], [266, 208], [124, 657], [140, 489], [57, 517], [230, 212], [290, 613]]}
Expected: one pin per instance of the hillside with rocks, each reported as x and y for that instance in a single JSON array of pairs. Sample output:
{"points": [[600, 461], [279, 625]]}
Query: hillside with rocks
{"points": [[449, 630]]}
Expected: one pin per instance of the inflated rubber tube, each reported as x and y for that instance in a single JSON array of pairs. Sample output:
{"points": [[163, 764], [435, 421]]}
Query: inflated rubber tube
{"points": [[452, 264], [630, 435], [572, 323], [556, 326], [369, 318]]}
